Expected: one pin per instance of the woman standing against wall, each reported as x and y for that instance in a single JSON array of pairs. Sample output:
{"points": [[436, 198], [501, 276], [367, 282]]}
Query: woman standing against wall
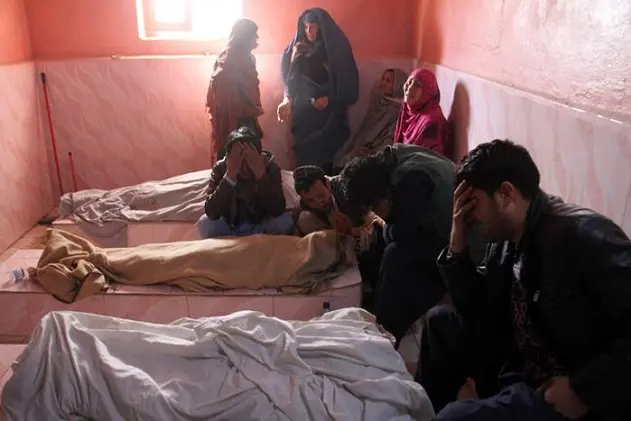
{"points": [[233, 97], [321, 81]]}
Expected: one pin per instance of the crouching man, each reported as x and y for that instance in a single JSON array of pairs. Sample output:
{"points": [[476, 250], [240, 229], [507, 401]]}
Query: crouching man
{"points": [[245, 192]]}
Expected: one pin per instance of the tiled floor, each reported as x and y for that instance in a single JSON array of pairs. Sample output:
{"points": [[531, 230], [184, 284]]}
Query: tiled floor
{"points": [[8, 354], [34, 239]]}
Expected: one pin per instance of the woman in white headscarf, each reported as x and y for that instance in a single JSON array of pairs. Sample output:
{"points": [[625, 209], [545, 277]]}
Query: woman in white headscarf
{"points": [[377, 128]]}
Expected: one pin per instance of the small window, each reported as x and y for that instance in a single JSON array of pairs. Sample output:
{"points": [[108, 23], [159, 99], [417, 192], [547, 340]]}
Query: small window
{"points": [[186, 19]]}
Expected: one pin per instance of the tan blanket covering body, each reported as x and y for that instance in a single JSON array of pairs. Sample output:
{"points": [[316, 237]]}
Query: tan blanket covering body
{"points": [[72, 268]]}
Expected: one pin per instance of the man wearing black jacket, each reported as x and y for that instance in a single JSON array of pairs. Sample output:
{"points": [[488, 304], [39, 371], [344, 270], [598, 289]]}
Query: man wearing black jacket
{"points": [[411, 189], [245, 191], [543, 330]]}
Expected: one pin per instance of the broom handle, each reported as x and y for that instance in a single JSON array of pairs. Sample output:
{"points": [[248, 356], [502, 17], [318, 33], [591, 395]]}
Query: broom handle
{"points": [[52, 131]]}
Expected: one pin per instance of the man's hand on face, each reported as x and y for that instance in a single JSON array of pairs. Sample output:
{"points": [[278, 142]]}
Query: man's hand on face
{"points": [[372, 218], [254, 161], [463, 205], [369, 224], [234, 161]]}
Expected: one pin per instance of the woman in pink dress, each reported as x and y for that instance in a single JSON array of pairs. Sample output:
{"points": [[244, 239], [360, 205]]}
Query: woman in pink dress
{"points": [[421, 121]]}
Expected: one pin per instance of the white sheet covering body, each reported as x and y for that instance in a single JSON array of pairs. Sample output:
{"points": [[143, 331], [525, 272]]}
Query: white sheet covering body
{"points": [[104, 214], [243, 366]]}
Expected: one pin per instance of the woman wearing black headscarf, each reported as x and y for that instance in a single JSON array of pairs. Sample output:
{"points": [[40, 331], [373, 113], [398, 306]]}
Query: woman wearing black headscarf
{"points": [[321, 81]]}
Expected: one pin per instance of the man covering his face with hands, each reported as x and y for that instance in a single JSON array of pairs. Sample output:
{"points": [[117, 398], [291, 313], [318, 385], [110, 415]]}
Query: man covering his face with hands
{"points": [[245, 192]]}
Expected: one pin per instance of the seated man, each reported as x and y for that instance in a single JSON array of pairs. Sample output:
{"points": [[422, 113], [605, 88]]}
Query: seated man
{"points": [[411, 188], [245, 191], [550, 312], [323, 206]]}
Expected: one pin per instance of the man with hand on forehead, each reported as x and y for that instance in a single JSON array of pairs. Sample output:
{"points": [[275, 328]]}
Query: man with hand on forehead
{"points": [[411, 189], [542, 331], [245, 192]]}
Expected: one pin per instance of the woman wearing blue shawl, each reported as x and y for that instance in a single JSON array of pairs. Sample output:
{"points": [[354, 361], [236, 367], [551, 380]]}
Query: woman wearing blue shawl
{"points": [[321, 81]]}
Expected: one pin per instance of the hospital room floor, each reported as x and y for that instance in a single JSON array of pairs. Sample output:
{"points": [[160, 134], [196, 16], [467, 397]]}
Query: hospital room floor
{"points": [[35, 238], [8, 354]]}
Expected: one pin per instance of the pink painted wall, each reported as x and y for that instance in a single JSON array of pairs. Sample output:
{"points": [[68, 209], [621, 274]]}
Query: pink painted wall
{"points": [[15, 46], [575, 52], [24, 180], [63, 29], [135, 119], [582, 157], [552, 75], [132, 120]]}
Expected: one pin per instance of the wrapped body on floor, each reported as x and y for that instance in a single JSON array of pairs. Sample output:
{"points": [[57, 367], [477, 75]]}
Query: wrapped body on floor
{"points": [[243, 366]]}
